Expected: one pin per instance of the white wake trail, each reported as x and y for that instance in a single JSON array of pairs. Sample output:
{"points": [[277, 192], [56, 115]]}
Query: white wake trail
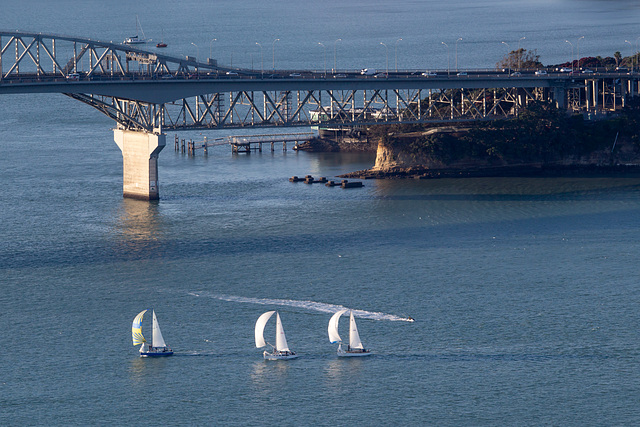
{"points": [[308, 305]]}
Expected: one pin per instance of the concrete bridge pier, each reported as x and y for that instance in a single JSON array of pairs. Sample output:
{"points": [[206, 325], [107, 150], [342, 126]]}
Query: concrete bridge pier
{"points": [[560, 96], [139, 162]]}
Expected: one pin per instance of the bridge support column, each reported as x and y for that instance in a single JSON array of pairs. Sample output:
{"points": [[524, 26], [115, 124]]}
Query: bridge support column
{"points": [[139, 162], [560, 96]]}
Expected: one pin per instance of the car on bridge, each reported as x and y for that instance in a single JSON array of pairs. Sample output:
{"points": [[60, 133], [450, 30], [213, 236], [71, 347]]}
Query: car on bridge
{"points": [[429, 74], [541, 73]]}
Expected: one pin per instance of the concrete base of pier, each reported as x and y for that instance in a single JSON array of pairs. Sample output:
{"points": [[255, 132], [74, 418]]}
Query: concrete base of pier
{"points": [[139, 162]]}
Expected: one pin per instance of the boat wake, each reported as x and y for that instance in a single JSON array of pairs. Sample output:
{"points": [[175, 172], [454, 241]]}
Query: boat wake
{"points": [[307, 305]]}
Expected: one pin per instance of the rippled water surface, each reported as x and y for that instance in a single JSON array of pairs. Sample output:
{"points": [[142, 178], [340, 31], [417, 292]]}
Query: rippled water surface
{"points": [[524, 291]]}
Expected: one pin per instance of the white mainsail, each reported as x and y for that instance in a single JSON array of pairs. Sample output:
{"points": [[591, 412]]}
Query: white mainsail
{"points": [[334, 337], [157, 340], [354, 337], [281, 340], [259, 331]]}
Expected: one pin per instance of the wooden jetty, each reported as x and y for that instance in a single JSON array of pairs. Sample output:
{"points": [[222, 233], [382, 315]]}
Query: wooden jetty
{"points": [[242, 143]]}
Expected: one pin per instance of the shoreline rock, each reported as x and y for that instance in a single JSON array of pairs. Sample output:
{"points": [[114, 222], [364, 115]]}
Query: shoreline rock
{"points": [[496, 171]]}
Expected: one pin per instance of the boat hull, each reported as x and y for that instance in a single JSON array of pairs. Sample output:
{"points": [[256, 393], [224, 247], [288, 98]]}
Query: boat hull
{"points": [[164, 353], [342, 353], [279, 355], [134, 40]]}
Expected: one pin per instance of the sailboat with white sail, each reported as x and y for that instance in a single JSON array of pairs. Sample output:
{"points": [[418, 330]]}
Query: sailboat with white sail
{"points": [[355, 347], [137, 39], [281, 350], [157, 348]]}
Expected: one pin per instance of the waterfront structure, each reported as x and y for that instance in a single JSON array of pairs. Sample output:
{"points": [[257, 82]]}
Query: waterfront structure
{"points": [[148, 94]]}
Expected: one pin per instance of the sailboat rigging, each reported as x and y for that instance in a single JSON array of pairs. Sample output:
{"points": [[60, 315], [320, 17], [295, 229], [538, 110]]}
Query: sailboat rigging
{"points": [[158, 347], [137, 39], [162, 43], [355, 347], [281, 350]]}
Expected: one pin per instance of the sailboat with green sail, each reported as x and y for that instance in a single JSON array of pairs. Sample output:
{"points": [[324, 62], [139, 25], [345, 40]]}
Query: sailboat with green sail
{"points": [[157, 348]]}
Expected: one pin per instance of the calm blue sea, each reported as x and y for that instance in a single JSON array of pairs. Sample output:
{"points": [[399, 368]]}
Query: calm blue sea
{"points": [[525, 291]]}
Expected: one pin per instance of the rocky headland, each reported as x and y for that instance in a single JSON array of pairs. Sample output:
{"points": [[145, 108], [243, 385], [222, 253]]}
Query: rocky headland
{"points": [[542, 141]]}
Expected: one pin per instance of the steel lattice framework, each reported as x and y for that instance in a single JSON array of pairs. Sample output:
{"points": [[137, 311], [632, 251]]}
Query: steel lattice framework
{"points": [[146, 91]]}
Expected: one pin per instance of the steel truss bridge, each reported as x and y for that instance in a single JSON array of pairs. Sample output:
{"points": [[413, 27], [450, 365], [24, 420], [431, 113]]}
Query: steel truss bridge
{"points": [[143, 90]]}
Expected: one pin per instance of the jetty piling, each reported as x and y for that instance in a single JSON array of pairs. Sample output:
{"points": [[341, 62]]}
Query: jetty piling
{"points": [[241, 143]]}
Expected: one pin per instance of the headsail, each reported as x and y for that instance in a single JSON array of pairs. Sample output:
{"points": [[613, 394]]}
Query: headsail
{"points": [[281, 340], [334, 337], [259, 331], [157, 340], [136, 329], [354, 337]]}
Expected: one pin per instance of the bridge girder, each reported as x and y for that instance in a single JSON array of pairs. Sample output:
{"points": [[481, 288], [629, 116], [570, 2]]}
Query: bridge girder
{"points": [[245, 109], [126, 83]]}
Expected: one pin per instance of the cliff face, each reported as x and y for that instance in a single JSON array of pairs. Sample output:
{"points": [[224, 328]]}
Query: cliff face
{"points": [[400, 159], [393, 157]]}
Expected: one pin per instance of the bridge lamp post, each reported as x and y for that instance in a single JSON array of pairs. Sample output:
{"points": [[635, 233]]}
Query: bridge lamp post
{"points": [[273, 53], [578, 51], [627, 41], [571, 54], [210, 43], [335, 62], [520, 53], [508, 59], [459, 38], [448, 60], [197, 55], [396, 53], [386, 49], [324, 55], [261, 61]]}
